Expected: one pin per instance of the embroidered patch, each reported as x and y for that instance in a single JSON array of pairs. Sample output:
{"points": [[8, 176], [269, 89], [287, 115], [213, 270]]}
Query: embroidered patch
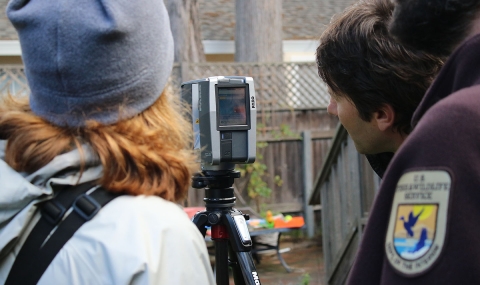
{"points": [[418, 220]]}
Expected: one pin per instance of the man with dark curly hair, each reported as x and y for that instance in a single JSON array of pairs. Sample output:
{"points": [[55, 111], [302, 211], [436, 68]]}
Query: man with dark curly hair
{"points": [[374, 82], [422, 227]]}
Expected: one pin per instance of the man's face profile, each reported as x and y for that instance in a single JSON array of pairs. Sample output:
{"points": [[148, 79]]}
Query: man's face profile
{"points": [[365, 134]]}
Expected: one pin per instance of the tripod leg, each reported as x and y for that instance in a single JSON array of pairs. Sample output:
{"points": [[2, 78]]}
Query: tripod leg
{"points": [[247, 268], [236, 270], [222, 250], [221, 261]]}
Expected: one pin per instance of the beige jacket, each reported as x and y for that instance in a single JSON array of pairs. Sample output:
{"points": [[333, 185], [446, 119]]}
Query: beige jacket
{"points": [[132, 240]]}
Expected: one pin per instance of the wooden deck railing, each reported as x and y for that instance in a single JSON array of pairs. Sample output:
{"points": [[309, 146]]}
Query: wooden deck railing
{"points": [[345, 187]]}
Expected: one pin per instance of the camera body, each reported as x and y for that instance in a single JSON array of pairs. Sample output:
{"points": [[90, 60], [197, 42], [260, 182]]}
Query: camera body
{"points": [[224, 119]]}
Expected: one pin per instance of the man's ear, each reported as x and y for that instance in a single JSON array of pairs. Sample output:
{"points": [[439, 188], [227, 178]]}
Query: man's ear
{"points": [[385, 117]]}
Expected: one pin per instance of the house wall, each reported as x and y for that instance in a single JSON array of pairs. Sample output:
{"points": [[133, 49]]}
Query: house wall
{"points": [[302, 20], [303, 23]]}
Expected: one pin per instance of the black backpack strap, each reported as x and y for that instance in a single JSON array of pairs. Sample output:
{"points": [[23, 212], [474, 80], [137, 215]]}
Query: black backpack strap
{"points": [[38, 252]]}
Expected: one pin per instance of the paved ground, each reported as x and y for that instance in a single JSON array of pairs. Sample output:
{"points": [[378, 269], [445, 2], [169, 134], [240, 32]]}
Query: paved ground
{"points": [[305, 257]]}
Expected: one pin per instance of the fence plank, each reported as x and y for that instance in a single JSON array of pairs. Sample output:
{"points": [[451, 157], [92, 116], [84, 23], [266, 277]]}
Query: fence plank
{"points": [[308, 182]]}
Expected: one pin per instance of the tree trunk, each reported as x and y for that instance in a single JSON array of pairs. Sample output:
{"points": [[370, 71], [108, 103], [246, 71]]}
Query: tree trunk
{"points": [[185, 25], [258, 31]]}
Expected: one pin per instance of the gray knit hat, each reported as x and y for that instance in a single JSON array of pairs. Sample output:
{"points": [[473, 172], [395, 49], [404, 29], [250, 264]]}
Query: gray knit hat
{"points": [[105, 60]]}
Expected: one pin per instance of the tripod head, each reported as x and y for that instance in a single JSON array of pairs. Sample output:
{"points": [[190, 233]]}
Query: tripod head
{"points": [[219, 201], [217, 181], [229, 228]]}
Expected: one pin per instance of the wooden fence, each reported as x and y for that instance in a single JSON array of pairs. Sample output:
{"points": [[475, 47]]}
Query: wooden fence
{"points": [[345, 187], [291, 99], [283, 156]]}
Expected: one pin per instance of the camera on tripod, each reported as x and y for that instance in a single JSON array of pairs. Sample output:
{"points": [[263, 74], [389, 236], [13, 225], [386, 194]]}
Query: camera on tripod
{"points": [[224, 118]]}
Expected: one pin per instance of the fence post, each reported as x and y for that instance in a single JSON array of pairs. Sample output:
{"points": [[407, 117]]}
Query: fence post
{"points": [[307, 182], [184, 71]]}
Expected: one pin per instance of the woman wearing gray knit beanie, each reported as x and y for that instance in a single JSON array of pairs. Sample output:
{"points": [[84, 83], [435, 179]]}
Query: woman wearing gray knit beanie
{"points": [[99, 122]]}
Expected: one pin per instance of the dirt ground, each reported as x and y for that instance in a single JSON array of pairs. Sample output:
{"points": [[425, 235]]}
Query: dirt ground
{"points": [[304, 257]]}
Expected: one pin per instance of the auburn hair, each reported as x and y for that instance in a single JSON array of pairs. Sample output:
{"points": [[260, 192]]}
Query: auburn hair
{"points": [[148, 154]]}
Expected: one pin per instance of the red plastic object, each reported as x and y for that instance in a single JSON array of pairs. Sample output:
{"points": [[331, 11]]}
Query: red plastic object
{"points": [[295, 222]]}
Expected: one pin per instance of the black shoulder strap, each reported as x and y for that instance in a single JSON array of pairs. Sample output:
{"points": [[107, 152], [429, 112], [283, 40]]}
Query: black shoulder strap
{"points": [[40, 248]]}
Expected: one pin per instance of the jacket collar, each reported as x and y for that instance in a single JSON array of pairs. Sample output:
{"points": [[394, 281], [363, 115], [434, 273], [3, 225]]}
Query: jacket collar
{"points": [[460, 71], [379, 162], [21, 192]]}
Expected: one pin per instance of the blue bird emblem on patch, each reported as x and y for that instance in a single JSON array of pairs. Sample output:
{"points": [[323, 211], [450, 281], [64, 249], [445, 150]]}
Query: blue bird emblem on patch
{"points": [[412, 220], [413, 237], [421, 241]]}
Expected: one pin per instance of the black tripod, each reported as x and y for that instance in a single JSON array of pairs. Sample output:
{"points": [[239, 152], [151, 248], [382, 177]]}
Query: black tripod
{"points": [[229, 229]]}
